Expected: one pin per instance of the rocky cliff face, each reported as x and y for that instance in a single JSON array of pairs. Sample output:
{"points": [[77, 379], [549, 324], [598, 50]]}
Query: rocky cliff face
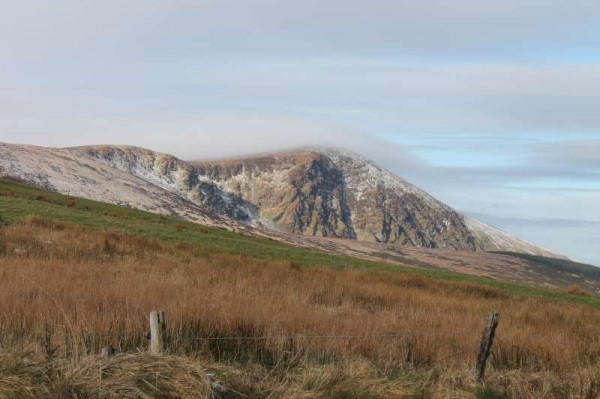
{"points": [[339, 194], [302, 193], [313, 193]]}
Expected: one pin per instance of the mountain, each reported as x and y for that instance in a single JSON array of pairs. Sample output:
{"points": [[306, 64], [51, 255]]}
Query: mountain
{"points": [[315, 193], [340, 194]]}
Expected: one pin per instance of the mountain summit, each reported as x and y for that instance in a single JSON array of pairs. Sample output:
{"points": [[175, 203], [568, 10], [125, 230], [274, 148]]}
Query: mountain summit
{"points": [[322, 193]]}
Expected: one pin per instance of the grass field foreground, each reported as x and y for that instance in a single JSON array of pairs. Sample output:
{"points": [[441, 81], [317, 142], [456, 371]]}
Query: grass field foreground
{"points": [[273, 325]]}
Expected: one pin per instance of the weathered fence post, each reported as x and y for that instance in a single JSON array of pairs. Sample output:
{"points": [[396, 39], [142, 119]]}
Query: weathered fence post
{"points": [[158, 332], [485, 348]]}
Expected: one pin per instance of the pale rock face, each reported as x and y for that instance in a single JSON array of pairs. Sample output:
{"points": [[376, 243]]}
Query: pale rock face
{"points": [[324, 193], [65, 171], [173, 175]]}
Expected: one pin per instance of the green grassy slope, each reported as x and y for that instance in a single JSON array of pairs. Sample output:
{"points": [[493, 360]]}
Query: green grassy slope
{"points": [[18, 200]]}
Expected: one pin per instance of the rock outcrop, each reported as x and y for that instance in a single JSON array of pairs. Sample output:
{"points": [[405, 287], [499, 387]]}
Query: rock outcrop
{"points": [[340, 194]]}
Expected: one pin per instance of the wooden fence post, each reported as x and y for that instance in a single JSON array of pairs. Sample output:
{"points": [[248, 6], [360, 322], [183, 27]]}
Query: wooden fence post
{"points": [[485, 348], [158, 332]]}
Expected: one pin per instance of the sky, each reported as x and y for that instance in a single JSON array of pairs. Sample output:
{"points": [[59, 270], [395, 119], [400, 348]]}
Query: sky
{"points": [[492, 107]]}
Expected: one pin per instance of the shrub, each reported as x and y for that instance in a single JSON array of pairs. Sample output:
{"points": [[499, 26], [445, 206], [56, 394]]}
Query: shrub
{"points": [[574, 289], [42, 198]]}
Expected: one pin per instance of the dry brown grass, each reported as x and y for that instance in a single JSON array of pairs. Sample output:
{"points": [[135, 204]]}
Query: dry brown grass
{"points": [[574, 289], [264, 326], [28, 373]]}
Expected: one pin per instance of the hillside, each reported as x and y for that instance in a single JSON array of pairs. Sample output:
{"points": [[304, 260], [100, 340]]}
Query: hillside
{"points": [[348, 252], [312, 193], [18, 200], [267, 320]]}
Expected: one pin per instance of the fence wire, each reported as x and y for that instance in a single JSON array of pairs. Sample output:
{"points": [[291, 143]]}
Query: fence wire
{"points": [[359, 337]]}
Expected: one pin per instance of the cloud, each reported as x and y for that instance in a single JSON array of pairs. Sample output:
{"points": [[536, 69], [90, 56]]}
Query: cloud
{"points": [[498, 176], [539, 222], [207, 136], [432, 28], [579, 155], [374, 95]]}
